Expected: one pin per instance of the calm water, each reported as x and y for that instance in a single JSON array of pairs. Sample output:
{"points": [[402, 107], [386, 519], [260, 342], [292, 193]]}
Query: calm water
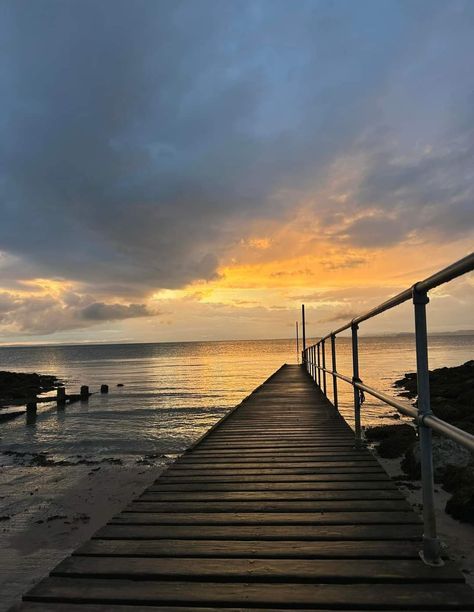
{"points": [[173, 392]]}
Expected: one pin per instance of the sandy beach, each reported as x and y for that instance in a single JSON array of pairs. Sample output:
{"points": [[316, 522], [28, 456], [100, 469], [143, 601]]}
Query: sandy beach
{"points": [[46, 512], [456, 536]]}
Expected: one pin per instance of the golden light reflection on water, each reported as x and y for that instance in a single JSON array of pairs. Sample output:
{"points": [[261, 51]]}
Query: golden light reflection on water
{"points": [[174, 392]]}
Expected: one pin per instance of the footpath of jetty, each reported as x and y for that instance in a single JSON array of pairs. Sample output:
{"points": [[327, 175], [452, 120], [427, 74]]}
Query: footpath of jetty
{"points": [[274, 508]]}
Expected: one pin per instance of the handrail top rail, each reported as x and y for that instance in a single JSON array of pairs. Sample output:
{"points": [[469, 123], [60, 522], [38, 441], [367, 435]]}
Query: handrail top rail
{"points": [[458, 268]]}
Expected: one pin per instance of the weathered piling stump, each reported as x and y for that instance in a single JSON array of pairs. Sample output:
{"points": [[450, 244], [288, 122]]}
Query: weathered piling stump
{"points": [[104, 388], [31, 411], [84, 393], [31, 406], [61, 396]]}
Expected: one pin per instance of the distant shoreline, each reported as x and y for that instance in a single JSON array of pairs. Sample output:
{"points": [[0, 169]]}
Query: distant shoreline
{"points": [[460, 333]]}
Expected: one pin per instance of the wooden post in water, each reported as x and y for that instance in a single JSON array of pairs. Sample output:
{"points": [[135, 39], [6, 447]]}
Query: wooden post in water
{"points": [[31, 406], [104, 388], [61, 396], [84, 393]]}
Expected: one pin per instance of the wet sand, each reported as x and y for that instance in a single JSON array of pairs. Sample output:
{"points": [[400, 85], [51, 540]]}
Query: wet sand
{"points": [[46, 512], [458, 537]]}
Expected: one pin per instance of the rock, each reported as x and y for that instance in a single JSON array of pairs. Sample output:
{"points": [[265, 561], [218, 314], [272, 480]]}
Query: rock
{"points": [[461, 504], [17, 387], [466, 424], [446, 453], [380, 432], [467, 397], [457, 477], [446, 409], [394, 439], [452, 391], [120, 385]]}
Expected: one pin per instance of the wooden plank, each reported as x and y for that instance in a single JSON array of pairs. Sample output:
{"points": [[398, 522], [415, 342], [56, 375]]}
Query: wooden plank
{"points": [[287, 549], [284, 486], [249, 471], [270, 453], [221, 496], [255, 570], [266, 518], [261, 532], [351, 505], [32, 606], [197, 464], [169, 477], [413, 596]]}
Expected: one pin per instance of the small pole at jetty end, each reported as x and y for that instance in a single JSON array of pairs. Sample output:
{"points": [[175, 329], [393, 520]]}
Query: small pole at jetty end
{"points": [[297, 345], [304, 334]]}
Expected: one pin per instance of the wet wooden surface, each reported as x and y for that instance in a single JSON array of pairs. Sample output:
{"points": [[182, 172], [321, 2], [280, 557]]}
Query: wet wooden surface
{"points": [[274, 509]]}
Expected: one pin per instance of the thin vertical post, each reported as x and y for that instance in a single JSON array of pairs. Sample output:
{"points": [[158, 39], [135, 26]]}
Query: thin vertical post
{"points": [[313, 369], [297, 345], [355, 378], [319, 364], [323, 351], [431, 545], [334, 369], [303, 332]]}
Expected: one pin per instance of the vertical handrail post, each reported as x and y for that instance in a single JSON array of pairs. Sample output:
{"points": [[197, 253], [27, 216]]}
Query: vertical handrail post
{"points": [[319, 365], [334, 369], [297, 344], [303, 323], [431, 545], [355, 378], [323, 351], [312, 362]]}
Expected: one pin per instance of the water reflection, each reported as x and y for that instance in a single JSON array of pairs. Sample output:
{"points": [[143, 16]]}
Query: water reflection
{"points": [[174, 392]]}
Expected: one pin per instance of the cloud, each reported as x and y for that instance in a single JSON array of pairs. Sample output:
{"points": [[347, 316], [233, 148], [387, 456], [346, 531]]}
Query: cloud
{"points": [[344, 316], [40, 314], [98, 311], [142, 140], [137, 148]]}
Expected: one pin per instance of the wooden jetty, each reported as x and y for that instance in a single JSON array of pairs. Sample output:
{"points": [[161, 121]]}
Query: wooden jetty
{"points": [[274, 508]]}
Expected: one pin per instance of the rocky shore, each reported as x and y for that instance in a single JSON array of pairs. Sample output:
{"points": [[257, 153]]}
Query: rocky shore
{"points": [[452, 399], [17, 388]]}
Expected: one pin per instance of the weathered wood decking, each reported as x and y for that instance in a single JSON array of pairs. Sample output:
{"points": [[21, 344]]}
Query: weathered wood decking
{"points": [[273, 509]]}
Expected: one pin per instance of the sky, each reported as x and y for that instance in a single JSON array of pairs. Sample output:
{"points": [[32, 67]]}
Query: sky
{"points": [[195, 170]]}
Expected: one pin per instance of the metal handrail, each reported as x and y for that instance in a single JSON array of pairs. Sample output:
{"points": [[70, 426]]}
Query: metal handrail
{"points": [[464, 265], [314, 360]]}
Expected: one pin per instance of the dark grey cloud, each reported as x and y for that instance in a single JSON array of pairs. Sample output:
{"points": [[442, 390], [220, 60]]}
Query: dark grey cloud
{"points": [[139, 137], [47, 314], [343, 315], [98, 311]]}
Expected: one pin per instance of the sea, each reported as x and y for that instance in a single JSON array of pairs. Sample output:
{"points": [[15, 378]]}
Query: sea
{"points": [[171, 393]]}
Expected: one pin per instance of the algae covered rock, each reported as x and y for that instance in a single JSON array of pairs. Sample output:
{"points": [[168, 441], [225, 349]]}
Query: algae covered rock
{"points": [[461, 504], [393, 440], [446, 454]]}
